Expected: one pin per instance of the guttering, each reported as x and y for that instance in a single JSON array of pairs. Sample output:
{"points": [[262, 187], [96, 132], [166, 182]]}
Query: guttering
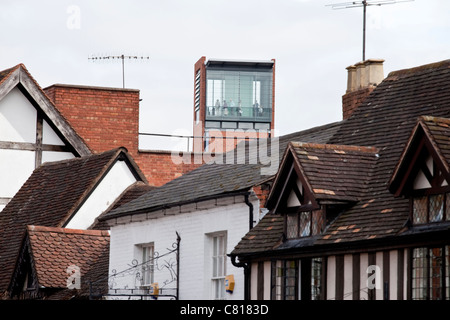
{"points": [[246, 267]]}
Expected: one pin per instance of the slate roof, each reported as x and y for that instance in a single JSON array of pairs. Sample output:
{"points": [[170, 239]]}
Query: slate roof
{"points": [[48, 198], [54, 250], [213, 180], [385, 121]]}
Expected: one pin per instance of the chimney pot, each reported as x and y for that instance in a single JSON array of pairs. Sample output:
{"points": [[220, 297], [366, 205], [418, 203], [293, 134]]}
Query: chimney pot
{"points": [[363, 77], [351, 78]]}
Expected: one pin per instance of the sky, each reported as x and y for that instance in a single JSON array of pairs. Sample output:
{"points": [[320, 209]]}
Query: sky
{"points": [[311, 42]]}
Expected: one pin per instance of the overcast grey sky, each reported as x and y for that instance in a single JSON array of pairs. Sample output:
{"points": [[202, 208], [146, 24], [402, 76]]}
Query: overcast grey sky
{"points": [[311, 42]]}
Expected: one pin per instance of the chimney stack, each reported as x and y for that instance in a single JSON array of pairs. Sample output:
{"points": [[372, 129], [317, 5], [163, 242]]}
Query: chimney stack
{"points": [[363, 77]]}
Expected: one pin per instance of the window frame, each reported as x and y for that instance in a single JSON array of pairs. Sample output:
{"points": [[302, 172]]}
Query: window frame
{"points": [[218, 280], [314, 217], [428, 195], [308, 274], [423, 285], [147, 265]]}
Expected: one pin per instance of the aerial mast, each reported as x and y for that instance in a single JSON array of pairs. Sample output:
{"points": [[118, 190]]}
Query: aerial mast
{"points": [[364, 4], [117, 57]]}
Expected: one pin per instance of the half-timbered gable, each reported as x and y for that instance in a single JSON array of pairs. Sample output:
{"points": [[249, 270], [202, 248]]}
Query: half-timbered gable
{"points": [[32, 131], [316, 182], [69, 193], [390, 239], [424, 165]]}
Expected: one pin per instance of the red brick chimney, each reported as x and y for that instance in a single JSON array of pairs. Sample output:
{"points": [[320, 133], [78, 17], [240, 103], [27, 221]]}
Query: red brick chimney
{"points": [[362, 79]]}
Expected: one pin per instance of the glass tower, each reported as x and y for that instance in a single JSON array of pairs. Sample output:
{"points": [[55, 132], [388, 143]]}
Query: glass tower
{"points": [[232, 99]]}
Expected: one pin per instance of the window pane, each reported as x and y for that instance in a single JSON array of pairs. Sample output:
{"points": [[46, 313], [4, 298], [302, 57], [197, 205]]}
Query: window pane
{"points": [[436, 207], [292, 225], [419, 274], [305, 224], [420, 210], [218, 251], [316, 278], [318, 221], [436, 273], [147, 264], [447, 209], [290, 280]]}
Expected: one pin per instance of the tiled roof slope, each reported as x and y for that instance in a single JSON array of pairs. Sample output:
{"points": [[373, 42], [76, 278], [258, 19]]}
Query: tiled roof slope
{"points": [[335, 172], [212, 179], [384, 120], [47, 198], [55, 249], [438, 129]]}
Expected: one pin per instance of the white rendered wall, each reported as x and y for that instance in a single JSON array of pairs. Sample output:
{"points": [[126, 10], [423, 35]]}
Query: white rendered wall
{"points": [[17, 118], [193, 227], [348, 277], [49, 136], [108, 190], [15, 168]]}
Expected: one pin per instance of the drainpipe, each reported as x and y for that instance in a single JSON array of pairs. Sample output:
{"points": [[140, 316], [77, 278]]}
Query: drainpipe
{"points": [[250, 211], [246, 267]]}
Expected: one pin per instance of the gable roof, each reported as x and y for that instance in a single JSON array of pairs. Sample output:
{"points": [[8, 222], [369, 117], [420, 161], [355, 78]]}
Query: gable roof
{"points": [[384, 121], [19, 76], [432, 133], [214, 180], [335, 173], [50, 196], [53, 250]]}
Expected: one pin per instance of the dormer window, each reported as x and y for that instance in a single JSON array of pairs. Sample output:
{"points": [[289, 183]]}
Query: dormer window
{"points": [[431, 208], [304, 224]]}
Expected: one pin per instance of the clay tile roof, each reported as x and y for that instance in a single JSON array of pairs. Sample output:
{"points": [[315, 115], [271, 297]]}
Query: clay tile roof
{"points": [[55, 249], [438, 130], [48, 198], [336, 172], [385, 121]]}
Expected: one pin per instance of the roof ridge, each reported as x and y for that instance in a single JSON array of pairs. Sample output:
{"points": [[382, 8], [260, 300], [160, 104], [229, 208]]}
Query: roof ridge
{"points": [[87, 232], [434, 119], [335, 147], [82, 158], [429, 66]]}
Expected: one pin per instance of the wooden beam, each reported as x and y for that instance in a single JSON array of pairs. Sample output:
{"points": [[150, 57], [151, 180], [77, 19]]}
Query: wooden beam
{"points": [[9, 84], [53, 114], [39, 132]]}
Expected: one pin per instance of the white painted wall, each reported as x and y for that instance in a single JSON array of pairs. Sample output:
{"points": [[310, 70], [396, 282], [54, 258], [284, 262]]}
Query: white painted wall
{"points": [[193, 227], [109, 189], [17, 118], [15, 168], [363, 276], [49, 136], [331, 278]]}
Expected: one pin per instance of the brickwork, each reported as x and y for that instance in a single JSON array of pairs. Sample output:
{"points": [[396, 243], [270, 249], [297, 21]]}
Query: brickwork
{"points": [[107, 118], [352, 100]]}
